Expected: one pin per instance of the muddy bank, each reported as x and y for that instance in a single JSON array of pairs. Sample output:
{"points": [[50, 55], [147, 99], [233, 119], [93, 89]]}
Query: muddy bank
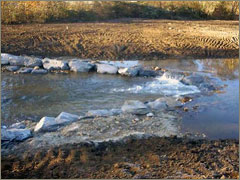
{"points": [[133, 39], [135, 158]]}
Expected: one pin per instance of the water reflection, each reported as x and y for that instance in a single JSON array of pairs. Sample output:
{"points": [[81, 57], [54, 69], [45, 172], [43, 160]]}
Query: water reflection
{"points": [[225, 68]]}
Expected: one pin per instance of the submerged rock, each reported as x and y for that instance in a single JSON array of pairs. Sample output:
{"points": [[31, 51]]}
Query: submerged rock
{"points": [[194, 79], [54, 64], [45, 124], [158, 104], [132, 71], [135, 107], [80, 66], [207, 87], [172, 103], [147, 73], [65, 117], [15, 134], [39, 71], [32, 61], [106, 69], [175, 75], [12, 68], [24, 70]]}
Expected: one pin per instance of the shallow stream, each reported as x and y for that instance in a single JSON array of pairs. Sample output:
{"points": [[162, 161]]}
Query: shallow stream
{"points": [[27, 96]]}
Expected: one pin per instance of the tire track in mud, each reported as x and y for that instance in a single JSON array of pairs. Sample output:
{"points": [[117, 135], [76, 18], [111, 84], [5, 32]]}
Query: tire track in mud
{"points": [[159, 157], [120, 41], [215, 47]]}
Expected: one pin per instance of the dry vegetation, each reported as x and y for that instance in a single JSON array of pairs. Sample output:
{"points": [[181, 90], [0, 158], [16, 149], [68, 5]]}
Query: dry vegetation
{"points": [[43, 11]]}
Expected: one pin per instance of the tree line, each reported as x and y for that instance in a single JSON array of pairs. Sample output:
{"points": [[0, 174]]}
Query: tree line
{"points": [[17, 12]]}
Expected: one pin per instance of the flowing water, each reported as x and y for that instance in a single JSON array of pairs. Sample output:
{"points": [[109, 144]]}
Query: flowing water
{"points": [[26, 96]]}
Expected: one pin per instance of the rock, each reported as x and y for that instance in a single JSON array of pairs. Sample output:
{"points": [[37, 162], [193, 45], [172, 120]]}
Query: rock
{"points": [[36, 68], [193, 79], [24, 70], [171, 103], [157, 68], [147, 73], [116, 112], [32, 61], [80, 66], [106, 69], [15, 134], [158, 104], [12, 60], [39, 71], [46, 124], [65, 117], [223, 177], [54, 64], [174, 75], [135, 107], [185, 99], [132, 71], [207, 87], [18, 125], [104, 112], [4, 59], [99, 113], [12, 68], [150, 115], [4, 62]]}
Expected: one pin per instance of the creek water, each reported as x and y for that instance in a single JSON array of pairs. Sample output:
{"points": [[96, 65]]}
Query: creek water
{"points": [[27, 96]]}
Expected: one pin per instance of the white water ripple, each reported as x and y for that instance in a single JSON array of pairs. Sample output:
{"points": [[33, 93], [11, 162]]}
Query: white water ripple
{"points": [[161, 85]]}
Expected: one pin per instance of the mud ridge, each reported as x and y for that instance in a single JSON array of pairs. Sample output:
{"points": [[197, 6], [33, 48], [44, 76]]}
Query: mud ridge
{"points": [[166, 157], [139, 39]]}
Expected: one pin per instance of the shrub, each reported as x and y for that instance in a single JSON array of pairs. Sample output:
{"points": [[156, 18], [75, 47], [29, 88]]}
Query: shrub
{"points": [[50, 11]]}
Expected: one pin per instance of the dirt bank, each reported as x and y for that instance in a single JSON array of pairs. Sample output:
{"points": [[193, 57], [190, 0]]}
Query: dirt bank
{"points": [[146, 158], [125, 39]]}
